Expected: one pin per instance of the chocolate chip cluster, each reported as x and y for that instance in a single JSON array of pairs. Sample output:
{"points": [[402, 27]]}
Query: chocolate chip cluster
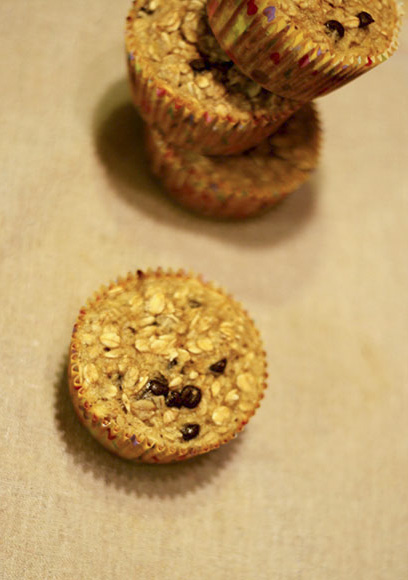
{"points": [[189, 396], [336, 28]]}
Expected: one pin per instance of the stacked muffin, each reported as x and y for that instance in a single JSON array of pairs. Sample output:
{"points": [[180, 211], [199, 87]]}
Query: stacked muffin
{"points": [[226, 95], [164, 366]]}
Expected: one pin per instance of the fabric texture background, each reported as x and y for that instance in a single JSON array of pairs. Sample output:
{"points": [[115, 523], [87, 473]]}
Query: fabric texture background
{"points": [[316, 486]]}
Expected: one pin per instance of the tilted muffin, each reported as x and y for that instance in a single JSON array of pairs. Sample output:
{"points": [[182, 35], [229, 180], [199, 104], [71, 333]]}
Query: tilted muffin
{"points": [[164, 366], [187, 88], [243, 185], [302, 49]]}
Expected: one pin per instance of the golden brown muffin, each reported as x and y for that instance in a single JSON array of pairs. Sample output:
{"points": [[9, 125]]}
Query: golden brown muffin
{"points": [[302, 49], [243, 185], [187, 88], [164, 366]]}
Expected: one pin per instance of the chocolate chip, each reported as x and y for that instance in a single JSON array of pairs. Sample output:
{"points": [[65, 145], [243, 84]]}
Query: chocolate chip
{"points": [[222, 65], [194, 303], [200, 64], [158, 388], [189, 431], [146, 10], [155, 388], [173, 399], [172, 363], [365, 19], [336, 27], [219, 366], [190, 396], [204, 63]]}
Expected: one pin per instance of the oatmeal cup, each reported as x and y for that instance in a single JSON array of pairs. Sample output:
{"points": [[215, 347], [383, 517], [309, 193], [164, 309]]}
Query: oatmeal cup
{"points": [[302, 49], [187, 88], [164, 366], [245, 185]]}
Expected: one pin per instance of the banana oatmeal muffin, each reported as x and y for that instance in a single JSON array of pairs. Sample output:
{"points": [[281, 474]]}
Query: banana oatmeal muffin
{"points": [[244, 185], [187, 88], [164, 366], [301, 49]]}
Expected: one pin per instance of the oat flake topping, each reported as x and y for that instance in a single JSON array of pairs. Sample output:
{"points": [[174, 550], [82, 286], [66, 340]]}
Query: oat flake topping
{"points": [[173, 40]]}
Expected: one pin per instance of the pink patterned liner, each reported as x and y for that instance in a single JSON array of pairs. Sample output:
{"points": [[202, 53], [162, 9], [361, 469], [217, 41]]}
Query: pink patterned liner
{"points": [[202, 193], [136, 446], [281, 59], [185, 122]]}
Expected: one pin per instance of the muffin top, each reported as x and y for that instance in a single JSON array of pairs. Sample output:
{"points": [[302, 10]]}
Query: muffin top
{"points": [[169, 359], [174, 45], [345, 27]]}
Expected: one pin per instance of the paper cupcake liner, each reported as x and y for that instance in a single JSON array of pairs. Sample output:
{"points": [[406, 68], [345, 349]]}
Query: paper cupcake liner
{"points": [[198, 191], [201, 189], [133, 444], [185, 122], [280, 58]]}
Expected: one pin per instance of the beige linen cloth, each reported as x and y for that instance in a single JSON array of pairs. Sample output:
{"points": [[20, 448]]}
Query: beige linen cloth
{"points": [[316, 488]]}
